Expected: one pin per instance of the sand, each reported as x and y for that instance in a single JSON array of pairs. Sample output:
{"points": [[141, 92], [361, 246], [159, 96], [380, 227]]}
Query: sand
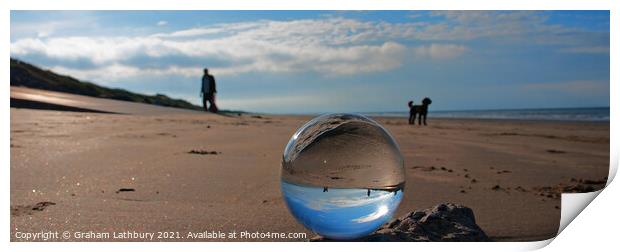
{"points": [[162, 171]]}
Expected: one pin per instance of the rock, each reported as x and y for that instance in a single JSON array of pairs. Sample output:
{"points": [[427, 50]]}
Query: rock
{"points": [[444, 222]]}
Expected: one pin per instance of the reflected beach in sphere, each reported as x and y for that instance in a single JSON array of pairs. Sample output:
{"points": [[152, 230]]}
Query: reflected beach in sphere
{"points": [[342, 176]]}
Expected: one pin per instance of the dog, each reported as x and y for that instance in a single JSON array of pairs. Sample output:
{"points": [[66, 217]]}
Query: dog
{"points": [[414, 110]]}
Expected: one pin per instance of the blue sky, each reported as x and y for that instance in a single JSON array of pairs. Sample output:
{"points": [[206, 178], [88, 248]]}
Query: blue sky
{"points": [[331, 61], [340, 213]]}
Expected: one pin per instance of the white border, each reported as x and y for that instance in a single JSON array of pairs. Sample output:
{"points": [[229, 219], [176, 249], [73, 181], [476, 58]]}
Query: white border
{"points": [[596, 228], [313, 5]]}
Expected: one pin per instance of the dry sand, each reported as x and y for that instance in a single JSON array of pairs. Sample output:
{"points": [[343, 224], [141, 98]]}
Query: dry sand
{"points": [[195, 172]]}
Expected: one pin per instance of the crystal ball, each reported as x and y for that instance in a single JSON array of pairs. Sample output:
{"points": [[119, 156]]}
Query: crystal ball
{"points": [[342, 176]]}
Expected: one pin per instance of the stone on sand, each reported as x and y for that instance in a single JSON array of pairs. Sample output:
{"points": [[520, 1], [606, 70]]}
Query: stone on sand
{"points": [[443, 222]]}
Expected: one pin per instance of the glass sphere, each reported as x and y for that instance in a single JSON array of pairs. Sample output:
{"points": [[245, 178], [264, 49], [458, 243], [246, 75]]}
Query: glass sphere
{"points": [[342, 175]]}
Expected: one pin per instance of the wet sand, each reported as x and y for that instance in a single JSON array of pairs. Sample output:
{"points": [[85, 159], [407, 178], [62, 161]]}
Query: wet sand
{"points": [[194, 172]]}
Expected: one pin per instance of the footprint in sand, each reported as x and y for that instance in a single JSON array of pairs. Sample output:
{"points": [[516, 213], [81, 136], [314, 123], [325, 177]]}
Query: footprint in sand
{"points": [[203, 152], [521, 189], [552, 151], [125, 190], [574, 186], [423, 168], [166, 134], [30, 209], [432, 168], [498, 188]]}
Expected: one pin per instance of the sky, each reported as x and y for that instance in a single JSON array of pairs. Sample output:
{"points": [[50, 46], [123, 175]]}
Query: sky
{"points": [[340, 213], [297, 62]]}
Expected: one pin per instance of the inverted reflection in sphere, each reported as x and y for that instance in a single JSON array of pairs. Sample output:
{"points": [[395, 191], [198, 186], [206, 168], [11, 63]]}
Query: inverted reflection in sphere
{"points": [[342, 175]]}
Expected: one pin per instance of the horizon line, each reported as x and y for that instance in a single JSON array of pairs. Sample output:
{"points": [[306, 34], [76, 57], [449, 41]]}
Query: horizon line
{"points": [[443, 110]]}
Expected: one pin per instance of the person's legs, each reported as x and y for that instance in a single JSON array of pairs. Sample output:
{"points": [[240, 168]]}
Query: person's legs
{"points": [[204, 102]]}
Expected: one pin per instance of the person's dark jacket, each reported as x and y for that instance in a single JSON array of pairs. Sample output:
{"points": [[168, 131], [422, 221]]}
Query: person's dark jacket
{"points": [[210, 88]]}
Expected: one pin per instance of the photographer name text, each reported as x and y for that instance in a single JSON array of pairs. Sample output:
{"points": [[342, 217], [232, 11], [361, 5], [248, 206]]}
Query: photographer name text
{"points": [[152, 236]]}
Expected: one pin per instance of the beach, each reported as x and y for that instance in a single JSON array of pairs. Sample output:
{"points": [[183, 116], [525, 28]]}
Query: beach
{"points": [[193, 172]]}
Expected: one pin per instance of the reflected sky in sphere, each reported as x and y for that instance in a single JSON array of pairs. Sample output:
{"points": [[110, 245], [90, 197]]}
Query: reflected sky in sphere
{"points": [[339, 213], [342, 175]]}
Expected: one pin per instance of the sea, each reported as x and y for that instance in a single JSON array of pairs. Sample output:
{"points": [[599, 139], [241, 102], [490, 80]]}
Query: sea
{"points": [[597, 114]]}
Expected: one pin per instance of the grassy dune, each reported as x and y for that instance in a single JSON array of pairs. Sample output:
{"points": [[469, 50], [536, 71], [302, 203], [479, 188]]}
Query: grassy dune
{"points": [[27, 75]]}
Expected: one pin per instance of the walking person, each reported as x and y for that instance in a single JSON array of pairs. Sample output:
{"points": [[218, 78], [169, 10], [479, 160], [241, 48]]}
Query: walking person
{"points": [[208, 92]]}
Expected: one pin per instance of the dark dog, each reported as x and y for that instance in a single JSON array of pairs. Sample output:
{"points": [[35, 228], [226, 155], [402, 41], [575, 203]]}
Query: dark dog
{"points": [[414, 110]]}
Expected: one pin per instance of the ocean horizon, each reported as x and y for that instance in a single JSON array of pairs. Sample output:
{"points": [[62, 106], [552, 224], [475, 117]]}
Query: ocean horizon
{"points": [[600, 114]]}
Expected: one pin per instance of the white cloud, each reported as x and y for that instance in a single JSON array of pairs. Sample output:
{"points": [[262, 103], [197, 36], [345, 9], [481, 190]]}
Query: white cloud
{"points": [[381, 212], [247, 56], [162, 23], [221, 29], [329, 46], [522, 27], [119, 71], [98, 50]]}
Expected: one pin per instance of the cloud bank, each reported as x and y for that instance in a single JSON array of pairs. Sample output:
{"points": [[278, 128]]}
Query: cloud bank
{"points": [[329, 46]]}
